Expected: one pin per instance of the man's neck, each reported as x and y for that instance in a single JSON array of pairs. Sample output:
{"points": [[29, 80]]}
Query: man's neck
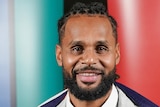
{"points": [[95, 103]]}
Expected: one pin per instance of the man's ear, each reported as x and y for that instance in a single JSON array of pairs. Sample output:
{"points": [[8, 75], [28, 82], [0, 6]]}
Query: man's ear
{"points": [[59, 55], [117, 53]]}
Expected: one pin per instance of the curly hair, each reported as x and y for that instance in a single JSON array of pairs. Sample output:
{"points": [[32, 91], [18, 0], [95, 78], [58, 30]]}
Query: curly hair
{"points": [[94, 8]]}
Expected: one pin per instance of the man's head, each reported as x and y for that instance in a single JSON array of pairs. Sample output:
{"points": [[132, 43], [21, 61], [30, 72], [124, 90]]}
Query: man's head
{"points": [[92, 9], [88, 51]]}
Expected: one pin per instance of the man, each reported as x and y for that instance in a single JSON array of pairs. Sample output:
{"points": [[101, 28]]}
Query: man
{"points": [[88, 52]]}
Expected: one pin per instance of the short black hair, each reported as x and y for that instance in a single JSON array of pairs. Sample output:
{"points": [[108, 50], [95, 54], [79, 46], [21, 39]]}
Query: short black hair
{"points": [[93, 8]]}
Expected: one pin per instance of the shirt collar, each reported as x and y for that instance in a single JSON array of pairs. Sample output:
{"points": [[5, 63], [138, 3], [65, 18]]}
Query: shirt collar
{"points": [[110, 102], [113, 98], [68, 103]]}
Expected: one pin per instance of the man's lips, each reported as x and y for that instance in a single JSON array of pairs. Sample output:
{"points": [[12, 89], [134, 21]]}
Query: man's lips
{"points": [[88, 76]]}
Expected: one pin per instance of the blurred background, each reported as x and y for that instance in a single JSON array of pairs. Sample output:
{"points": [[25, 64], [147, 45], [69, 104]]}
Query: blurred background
{"points": [[29, 73]]}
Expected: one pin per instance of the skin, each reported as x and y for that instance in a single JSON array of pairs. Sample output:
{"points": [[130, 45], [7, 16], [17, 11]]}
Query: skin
{"points": [[88, 41]]}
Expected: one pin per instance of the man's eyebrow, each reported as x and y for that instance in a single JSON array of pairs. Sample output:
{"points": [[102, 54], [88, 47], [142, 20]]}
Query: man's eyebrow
{"points": [[72, 43], [102, 43], [75, 43]]}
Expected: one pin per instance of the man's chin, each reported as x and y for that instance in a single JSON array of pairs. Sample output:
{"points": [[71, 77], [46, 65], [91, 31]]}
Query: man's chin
{"points": [[88, 85], [90, 91]]}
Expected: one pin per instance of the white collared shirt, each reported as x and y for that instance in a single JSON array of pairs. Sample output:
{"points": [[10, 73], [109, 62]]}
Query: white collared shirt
{"points": [[110, 102]]}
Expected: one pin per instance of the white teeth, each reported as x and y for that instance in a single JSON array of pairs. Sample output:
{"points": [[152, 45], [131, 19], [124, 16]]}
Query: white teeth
{"points": [[87, 74]]}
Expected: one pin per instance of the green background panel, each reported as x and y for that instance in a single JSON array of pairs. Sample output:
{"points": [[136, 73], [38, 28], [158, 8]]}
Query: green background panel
{"points": [[38, 76]]}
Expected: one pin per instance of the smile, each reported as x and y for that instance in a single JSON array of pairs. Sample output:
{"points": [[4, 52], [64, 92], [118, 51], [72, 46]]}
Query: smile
{"points": [[88, 74], [88, 77]]}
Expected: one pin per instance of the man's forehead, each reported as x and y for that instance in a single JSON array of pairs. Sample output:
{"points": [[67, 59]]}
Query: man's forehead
{"points": [[80, 20], [87, 16]]}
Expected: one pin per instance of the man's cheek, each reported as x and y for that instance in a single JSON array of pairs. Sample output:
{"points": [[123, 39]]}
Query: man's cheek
{"points": [[68, 63]]}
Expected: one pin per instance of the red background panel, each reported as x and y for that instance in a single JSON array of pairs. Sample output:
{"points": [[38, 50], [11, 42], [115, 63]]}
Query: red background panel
{"points": [[139, 37]]}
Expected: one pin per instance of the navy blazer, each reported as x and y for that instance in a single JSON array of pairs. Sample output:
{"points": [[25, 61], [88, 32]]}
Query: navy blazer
{"points": [[136, 98]]}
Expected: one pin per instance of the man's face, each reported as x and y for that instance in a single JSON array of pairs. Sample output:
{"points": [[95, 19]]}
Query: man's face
{"points": [[88, 51]]}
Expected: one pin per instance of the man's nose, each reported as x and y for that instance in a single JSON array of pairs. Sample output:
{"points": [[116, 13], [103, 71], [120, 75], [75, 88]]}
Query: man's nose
{"points": [[89, 58]]}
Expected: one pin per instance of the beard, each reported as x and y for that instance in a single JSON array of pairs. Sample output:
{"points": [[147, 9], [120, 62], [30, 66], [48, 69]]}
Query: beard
{"points": [[94, 93]]}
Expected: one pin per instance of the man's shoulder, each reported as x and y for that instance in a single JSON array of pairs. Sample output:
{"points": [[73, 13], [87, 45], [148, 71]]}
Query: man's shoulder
{"points": [[55, 100], [135, 97]]}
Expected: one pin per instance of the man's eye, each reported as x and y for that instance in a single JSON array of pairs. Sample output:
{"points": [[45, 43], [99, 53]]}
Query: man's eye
{"points": [[77, 49], [101, 49]]}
